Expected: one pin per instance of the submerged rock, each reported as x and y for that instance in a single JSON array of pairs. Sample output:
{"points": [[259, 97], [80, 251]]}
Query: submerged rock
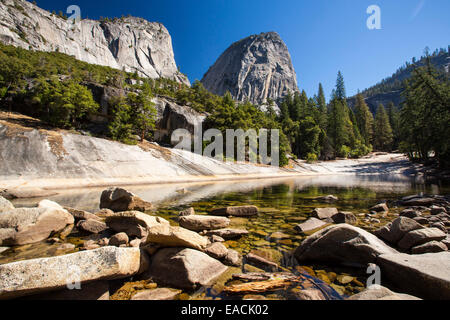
{"points": [[184, 268], [30, 225], [342, 243], [118, 199], [228, 234], [200, 223], [425, 275], [242, 211], [157, 294], [381, 293], [46, 274], [328, 199]]}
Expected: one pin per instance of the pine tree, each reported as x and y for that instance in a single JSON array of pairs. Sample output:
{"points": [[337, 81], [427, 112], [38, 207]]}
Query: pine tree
{"points": [[383, 136], [393, 114], [340, 87], [364, 119]]}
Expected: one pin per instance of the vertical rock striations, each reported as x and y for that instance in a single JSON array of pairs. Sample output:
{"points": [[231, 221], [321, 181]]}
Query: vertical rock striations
{"points": [[255, 69], [132, 44]]}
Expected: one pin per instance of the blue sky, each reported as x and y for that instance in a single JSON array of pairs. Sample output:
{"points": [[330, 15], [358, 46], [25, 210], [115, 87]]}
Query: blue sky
{"points": [[323, 36]]}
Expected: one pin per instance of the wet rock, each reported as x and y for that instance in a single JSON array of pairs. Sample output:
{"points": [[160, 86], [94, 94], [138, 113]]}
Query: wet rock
{"points": [[157, 294], [118, 239], [133, 223], [184, 268], [233, 258], [324, 213], [421, 220], [5, 205], [439, 225], [342, 243], [395, 231], [81, 214], [187, 212], [216, 250], [118, 199], [419, 202], [421, 236], [200, 223], [278, 236], [46, 274], [30, 225], [429, 247], [344, 217], [3, 249], [92, 226], [425, 275], [327, 199], [169, 236], [377, 292], [310, 225], [242, 211], [437, 210], [381, 207], [410, 213], [309, 294], [228, 234]]}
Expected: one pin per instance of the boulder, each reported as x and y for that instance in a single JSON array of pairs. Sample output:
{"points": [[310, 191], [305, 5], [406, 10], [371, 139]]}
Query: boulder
{"points": [[429, 247], [242, 211], [30, 225], [395, 231], [200, 223], [184, 268], [344, 217], [5, 205], [81, 214], [187, 212], [342, 243], [118, 239], [410, 213], [418, 202], [310, 225], [92, 226], [233, 258], [133, 223], [421, 236], [437, 210], [324, 213], [216, 250], [118, 199], [168, 236], [227, 234], [215, 238], [446, 241], [377, 292], [46, 274], [381, 207], [439, 225], [157, 294], [425, 275]]}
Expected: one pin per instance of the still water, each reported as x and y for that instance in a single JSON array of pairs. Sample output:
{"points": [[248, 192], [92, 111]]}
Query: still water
{"points": [[283, 203]]}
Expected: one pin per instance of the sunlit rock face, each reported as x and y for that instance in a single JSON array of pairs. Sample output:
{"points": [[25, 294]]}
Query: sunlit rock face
{"points": [[130, 44], [254, 69]]}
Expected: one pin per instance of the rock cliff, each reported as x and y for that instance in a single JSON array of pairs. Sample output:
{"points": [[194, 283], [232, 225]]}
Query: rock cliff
{"points": [[255, 69], [132, 44]]}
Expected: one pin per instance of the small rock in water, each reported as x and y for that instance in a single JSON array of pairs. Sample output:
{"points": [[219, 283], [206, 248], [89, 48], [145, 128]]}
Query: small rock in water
{"points": [[344, 217], [157, 294], [324, 213], [233, 258], [381, 207], [187, 212], [216, 250], [328, 198], [310, 225], [118, 199], [92, 226], [421, 236], [242, 211]]}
